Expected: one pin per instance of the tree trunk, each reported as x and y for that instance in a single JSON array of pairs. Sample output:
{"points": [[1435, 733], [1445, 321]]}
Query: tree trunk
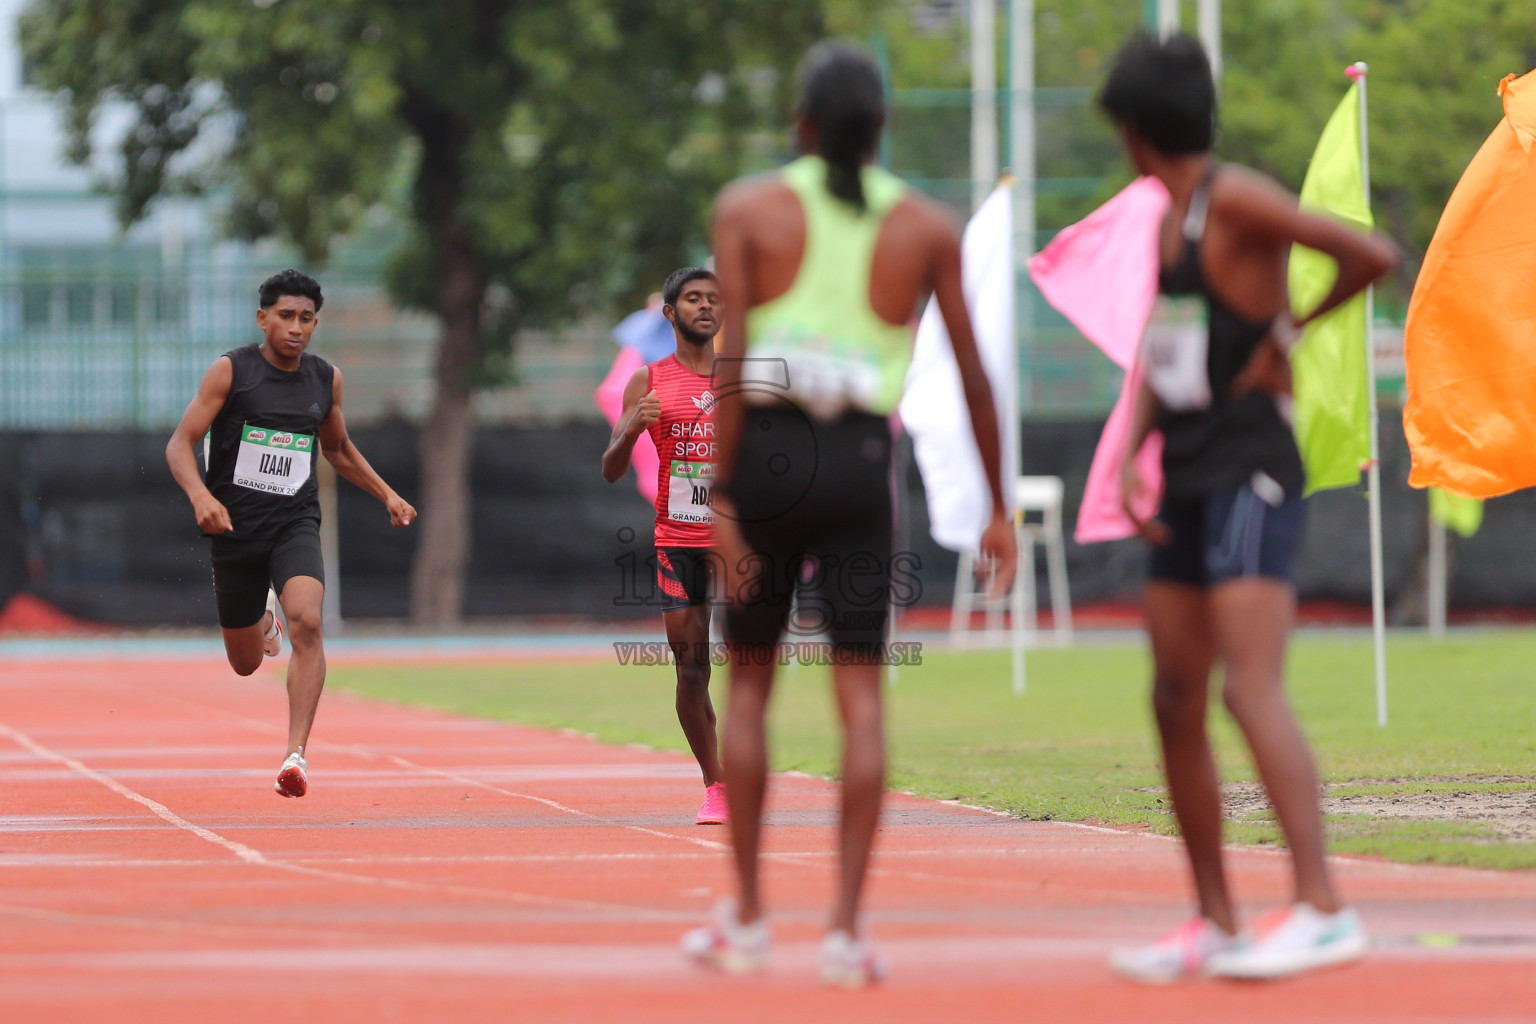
{"points": [[447, 438], [437, 573]]}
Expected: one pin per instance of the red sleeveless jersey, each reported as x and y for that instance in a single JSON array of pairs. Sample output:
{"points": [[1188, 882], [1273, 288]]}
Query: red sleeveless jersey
{"points": [[685, 443]]}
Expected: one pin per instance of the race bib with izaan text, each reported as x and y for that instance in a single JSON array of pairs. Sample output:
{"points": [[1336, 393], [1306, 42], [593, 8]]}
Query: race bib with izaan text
{"points": [[275, 461]]}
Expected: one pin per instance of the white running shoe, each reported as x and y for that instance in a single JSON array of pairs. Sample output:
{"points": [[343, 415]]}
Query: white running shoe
{"points": [[293, 777], [272, 639], [1294, 939], [1186, 952], [847, 962], [727, 944]]}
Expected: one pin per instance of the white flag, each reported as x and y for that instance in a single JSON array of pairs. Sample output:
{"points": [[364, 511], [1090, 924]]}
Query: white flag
{"points": [[933, 408]]}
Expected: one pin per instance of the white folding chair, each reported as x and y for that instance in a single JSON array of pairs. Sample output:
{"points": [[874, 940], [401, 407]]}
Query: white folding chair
{"points": [[1038, 500]]}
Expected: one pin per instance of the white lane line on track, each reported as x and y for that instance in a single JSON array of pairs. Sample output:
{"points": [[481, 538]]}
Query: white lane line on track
{"points": [[307, 933], [1356, 865], [370, 754], [43, 861], [252, 856], [807, 861], [466, 780], [1030, 958], [161, 811]]}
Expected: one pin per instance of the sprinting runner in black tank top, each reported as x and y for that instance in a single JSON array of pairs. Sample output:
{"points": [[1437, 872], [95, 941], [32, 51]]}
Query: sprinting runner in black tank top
{"points": [[263, 443], [266, 411]]}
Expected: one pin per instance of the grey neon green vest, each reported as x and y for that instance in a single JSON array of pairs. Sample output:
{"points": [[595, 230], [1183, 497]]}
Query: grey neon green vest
{"points": [[838, 351]]}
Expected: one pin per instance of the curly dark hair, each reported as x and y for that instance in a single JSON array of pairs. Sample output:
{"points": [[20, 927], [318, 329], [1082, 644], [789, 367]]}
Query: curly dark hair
{"points": [[291, 282]]}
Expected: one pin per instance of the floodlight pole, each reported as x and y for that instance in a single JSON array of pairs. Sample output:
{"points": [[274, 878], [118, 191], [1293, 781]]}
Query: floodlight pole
{"points": [[1208, 18], [1359, 72], [1163, 15], [983, 100], [1438, 583], [1021, 162]]}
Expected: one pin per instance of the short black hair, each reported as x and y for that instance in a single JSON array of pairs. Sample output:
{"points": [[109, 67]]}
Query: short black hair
{"points": [[1163, 88], [291, 282], [675, 281]]}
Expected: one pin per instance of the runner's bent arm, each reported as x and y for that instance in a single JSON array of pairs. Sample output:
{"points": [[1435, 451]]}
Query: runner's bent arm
{"points": [[337, 447], [1268, 211], [181, 456], [732, 250], [641, 409]]}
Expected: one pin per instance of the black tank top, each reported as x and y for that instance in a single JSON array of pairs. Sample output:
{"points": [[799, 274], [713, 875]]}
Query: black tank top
{"points": [[1224, 439], [264, 442]]}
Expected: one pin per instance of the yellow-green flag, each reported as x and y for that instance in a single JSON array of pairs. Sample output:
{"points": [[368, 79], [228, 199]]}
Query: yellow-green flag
{"points": [[1328, 366], [1464, 515]]}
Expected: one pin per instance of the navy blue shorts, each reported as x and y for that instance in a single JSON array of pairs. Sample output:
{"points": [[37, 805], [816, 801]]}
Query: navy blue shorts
{"points": [[1227, 535]]}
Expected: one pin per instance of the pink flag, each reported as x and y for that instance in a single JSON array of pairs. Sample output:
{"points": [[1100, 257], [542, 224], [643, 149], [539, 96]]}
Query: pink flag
{"points": [[1101, 516], [1101, 274], [610, 398]]}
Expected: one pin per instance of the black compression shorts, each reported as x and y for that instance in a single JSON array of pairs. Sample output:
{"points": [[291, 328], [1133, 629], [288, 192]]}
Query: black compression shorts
{"points": [[683, 576], [244, 569], [813, 500]]}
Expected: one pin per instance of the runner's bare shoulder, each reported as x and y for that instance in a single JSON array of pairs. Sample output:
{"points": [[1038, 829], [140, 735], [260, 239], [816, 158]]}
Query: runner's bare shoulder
{"points": [[1242, 192], [756, 198], [920, 221], [219, 377]]}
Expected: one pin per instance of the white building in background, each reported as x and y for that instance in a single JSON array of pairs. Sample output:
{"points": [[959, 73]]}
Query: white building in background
{"points": [[98, 326]]}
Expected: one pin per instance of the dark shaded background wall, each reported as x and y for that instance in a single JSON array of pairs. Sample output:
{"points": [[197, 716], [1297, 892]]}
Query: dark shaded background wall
{"points": [[94, 523]]}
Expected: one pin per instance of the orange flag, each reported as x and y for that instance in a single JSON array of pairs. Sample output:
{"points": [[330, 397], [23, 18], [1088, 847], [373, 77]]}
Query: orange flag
{"points": [[1471, 334]]}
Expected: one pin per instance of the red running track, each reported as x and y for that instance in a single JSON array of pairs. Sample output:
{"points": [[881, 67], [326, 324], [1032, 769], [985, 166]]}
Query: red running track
{"points": [[448, 869]]}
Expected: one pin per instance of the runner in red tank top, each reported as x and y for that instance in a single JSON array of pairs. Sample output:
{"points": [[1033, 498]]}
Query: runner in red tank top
{"points": [[671, 399]]}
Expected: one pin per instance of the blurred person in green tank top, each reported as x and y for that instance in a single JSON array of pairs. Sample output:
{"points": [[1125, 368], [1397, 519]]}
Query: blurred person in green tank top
{"points": [[822, 266]]}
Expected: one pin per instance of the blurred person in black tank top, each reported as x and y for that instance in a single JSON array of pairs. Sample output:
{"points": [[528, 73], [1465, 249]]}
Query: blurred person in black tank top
{"points": [[1220, 588], [266, 411]]}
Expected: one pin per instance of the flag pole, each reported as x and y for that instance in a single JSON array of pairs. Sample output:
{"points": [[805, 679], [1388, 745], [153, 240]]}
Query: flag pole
{"points": [[1437, 575], [1359, 72], [1021, 157], [983, 100]]}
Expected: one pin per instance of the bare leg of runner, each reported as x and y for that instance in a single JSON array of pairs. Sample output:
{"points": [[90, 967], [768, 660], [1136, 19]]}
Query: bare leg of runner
{"points": [[301, 598], [243, 647], [1183, 651], [1252, 619], [860, 706], [688, 633], [746, 772]]}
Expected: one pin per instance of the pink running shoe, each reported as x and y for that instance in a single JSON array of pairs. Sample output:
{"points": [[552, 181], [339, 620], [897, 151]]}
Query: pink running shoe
{"points": [[715, 810], [1185, 952]]}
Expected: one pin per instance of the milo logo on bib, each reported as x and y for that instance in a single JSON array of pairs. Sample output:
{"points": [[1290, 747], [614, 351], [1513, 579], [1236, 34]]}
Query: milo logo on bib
{"points": [[274, 461]]}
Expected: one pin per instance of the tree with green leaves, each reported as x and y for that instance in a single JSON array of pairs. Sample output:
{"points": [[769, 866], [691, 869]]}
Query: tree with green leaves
{"points": [[560, 154]]}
